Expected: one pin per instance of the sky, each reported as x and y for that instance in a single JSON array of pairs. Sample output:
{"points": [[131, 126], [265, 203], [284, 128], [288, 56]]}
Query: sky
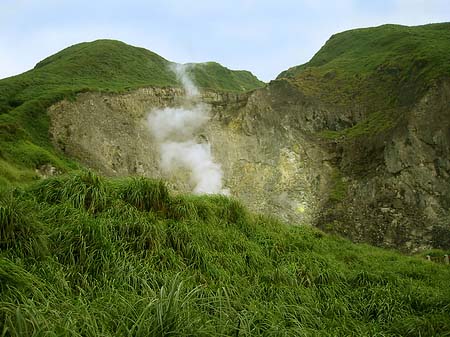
{"points": [[265, 37]]}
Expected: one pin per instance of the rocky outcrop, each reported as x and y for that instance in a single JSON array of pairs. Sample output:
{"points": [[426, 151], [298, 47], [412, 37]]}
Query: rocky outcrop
{"points": [[397, 185], [390, 188], [270, 165]]}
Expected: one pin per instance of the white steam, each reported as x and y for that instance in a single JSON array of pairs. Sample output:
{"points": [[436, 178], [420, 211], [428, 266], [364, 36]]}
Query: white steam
{"points": [[175, 130], [189, 86]]}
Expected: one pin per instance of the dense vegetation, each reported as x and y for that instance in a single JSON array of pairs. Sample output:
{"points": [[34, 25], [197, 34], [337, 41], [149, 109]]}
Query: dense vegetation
{"points": [[103, 65], [84, 256], [382, 70]]}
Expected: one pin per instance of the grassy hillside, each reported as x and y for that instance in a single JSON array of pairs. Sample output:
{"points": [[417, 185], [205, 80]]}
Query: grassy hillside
{"points": [[383, 70], [103, 65], [84, 256], [214, 76]]}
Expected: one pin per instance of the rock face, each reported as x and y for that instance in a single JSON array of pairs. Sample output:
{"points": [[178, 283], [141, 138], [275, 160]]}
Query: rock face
{"points": [[396, 183], [390, 189], [271, 166]]}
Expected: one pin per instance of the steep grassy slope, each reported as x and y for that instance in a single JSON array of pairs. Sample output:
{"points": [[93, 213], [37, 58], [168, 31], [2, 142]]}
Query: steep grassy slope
{"points": [[103, 65], [381, 70], [81, 256], [361, 51], [214, 76]]}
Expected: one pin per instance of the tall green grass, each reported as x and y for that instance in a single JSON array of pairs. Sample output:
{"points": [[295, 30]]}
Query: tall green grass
{"points": [[86, 256], [19, 228], [145, 194], [83, 190]]}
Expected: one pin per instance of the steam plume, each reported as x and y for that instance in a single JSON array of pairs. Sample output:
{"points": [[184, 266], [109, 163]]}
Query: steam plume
{"points": [[175, 130], [189, 86]]}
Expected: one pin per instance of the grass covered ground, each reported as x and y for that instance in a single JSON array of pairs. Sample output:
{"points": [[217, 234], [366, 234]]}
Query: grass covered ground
{"points": [[103, 65], [381, 71], [85, 256]]}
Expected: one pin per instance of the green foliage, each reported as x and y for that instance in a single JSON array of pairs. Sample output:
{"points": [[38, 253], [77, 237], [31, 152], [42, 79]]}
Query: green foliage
{"points": [[13, 276], [197, 265]]}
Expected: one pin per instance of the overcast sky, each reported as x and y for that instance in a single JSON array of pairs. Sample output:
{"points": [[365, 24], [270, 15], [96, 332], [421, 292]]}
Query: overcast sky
{"points": [[265, 37]]}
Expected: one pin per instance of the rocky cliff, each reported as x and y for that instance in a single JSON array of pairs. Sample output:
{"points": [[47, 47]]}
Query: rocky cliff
{"points": [[394, 186], [390, 189], [267, 161]]}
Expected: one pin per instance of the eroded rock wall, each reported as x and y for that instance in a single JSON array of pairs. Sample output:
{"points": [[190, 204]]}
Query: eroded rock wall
{"points": [[267, 164], [390, 188], [397, 187]]}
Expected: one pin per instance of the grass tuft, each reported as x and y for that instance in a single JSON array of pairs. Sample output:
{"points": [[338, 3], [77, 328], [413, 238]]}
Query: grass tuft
{"points": [[145, 194], [19, 229], [84, 190]]}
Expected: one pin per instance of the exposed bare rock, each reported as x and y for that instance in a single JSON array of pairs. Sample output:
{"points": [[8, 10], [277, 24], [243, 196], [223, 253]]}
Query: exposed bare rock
{"points": [[390, 189]]}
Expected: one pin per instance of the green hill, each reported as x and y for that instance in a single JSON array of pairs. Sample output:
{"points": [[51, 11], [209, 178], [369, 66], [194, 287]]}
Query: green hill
{"points": [[103, 65], [114, 65], [84, 256], [423, 50], [384, 70]]}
